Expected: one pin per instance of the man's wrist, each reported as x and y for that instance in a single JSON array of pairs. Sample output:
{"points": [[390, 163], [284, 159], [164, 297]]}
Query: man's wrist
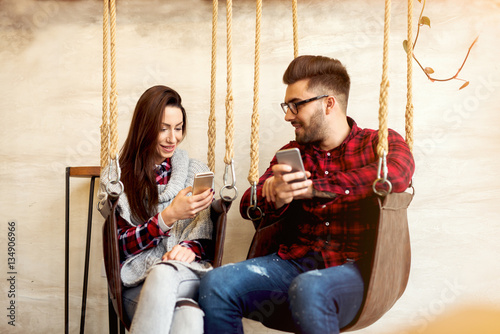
{"points": [[322, 194]]}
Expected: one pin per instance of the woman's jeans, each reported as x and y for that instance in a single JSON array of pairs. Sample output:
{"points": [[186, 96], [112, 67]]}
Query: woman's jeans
{"points": [[151, 305], [314, 300]]}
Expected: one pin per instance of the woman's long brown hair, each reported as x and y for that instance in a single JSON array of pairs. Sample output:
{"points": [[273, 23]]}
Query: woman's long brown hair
{"points": [[138, 152]]}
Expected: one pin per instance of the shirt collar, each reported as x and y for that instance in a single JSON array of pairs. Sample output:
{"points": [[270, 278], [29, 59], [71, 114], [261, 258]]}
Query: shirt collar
{"points": [[163, 167], [354, 131]]}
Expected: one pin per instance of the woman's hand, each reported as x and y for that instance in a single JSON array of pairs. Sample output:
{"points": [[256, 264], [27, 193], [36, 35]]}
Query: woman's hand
{"points": [[179, 253], [185, 207]]}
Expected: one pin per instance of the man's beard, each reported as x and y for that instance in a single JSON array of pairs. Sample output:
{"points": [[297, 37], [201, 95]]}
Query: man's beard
{"points": [[315, 132]]}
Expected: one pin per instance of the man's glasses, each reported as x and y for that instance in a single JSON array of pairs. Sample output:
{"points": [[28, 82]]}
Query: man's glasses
{"points": [[293, 106]]}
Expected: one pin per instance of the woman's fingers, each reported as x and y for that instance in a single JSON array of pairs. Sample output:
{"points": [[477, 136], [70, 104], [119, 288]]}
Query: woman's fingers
{"points": [[179, 253]]}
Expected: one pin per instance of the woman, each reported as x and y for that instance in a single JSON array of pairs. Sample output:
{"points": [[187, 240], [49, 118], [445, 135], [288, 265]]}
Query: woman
{"points": [[164, 232]]}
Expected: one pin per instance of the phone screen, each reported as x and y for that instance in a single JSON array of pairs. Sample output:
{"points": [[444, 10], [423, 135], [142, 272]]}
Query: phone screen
{"points": [[292, 158]]}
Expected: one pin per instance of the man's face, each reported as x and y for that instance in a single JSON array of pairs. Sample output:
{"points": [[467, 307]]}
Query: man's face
{"points": [[309, 122]]}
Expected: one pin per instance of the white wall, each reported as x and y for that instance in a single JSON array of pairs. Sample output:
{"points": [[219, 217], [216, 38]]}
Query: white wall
{"points": [[50, 86]]}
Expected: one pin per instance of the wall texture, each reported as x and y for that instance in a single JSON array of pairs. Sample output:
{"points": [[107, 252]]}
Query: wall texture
{"points": [[50, 107]]}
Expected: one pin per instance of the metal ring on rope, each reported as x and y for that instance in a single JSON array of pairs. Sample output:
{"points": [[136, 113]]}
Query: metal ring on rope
{"points": [[114, 166], [253, 204], [382, 168], [113, 193], [231, 185]]}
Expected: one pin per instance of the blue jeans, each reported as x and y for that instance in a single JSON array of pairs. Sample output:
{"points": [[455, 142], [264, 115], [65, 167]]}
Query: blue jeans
{"points": [[311, 300]]}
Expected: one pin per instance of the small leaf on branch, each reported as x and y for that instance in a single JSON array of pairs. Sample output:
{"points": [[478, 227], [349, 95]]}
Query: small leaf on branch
{"points": [[464, 85], [425, 21], [429, 70], [405, 45]]}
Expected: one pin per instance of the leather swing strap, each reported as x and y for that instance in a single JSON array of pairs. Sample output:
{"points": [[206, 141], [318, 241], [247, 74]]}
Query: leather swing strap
{"points": [[112, 260]]}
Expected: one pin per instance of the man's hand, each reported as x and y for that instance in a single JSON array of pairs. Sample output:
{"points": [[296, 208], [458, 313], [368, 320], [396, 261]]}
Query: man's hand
{"points": [[179, 253], [282, 187]]}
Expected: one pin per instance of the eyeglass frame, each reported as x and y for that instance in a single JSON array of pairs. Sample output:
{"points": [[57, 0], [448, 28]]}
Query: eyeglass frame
{"points": [[288, 105]]}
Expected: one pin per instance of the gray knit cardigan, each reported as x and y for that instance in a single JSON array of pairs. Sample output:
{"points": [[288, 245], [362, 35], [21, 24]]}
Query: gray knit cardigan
{"points": [[135, 269]]}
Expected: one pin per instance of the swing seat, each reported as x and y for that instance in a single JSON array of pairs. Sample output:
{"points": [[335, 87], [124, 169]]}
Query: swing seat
{"points": [[218, 214], [386, 273], [389, 268]]}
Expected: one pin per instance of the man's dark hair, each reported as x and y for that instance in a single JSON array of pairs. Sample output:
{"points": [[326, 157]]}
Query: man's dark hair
{"points": [[325, 75]]}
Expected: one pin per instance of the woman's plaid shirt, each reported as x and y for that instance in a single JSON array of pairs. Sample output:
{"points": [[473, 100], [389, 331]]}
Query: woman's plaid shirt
{"points": [[134, 239]]}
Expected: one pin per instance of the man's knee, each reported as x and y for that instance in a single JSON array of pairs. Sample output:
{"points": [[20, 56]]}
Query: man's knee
{"points": [[307, 285], [215, 283]]}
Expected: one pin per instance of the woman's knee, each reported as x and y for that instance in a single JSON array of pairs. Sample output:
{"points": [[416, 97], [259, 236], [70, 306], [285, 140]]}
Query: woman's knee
{"points": [[158, 274]]}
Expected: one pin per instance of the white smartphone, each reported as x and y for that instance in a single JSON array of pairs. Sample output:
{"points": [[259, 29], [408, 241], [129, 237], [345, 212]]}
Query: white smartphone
{"points": [[292, 158], [202, 182]]}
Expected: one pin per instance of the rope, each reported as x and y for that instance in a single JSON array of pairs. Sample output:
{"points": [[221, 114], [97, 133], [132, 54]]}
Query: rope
{"points": [[105, 84], [229, 96], [253, 175], [109, 126], [295, 30], [211, 118], [384, 86], [409, 79], [113, 148]]}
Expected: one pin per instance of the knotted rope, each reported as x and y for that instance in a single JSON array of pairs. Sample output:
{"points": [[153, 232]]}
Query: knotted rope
{"points": [[409, 79], [295, 30], [109, 129], [382, 147], [253, 175], [211, 118], [229, 95], [105, 87]]}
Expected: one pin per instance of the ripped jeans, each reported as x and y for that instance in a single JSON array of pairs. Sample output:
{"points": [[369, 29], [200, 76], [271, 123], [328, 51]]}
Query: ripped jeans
{"points": [[310, 300], [152, 304]]}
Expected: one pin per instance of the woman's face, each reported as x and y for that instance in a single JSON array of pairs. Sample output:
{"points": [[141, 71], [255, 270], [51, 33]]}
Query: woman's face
{"points": [[170, 134]]}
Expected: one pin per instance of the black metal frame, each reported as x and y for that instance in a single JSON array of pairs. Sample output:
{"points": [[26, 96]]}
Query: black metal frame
{"points": [[92, 173]]}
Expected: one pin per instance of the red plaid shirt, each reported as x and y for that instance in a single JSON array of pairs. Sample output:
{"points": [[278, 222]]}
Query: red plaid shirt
{"points": [[134, 239], [333, 227]]}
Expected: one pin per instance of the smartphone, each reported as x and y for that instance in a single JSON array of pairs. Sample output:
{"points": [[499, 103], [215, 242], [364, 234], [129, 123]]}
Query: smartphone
{"points": [[202, 182], [292, 158]]}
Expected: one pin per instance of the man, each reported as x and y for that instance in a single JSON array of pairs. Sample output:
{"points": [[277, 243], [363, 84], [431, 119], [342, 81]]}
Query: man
{"points": [[314, 281]]}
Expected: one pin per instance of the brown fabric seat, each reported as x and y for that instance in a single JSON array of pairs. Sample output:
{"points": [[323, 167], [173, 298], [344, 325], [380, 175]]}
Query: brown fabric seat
{"points": [[386, 273], [218, 214]]}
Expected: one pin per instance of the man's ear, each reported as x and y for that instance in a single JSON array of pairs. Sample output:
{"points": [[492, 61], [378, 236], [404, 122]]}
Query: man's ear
{"points": [[330, 104]]}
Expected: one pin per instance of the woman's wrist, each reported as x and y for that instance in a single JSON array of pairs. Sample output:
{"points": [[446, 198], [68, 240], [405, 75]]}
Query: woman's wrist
{"points": [[167, 218]]}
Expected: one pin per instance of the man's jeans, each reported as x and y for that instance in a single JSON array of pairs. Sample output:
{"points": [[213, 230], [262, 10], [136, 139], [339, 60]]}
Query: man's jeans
{"points": [[316, 301]]}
